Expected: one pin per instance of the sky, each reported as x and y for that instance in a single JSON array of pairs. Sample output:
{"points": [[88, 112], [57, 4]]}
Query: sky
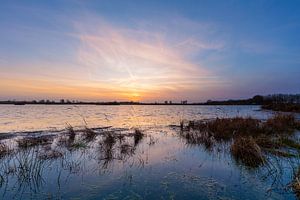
{"points": [[141, 50]]}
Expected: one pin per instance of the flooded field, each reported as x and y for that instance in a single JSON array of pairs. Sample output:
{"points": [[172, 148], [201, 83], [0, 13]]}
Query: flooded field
{"points": [[128, 152]]}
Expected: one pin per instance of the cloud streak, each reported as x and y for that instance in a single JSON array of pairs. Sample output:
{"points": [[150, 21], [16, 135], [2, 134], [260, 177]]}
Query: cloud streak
{"points": [[140, 62]]}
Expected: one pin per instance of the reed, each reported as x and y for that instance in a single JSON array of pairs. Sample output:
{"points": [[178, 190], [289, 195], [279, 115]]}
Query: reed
{"points": [[138, 136], [249, 138], [4, 150], [296, 183], [33, 141], [247, 151]]}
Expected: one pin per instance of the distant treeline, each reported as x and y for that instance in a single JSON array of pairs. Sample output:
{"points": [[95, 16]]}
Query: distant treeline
{"points": [[268, 102], [261, 100], [276, 102]]}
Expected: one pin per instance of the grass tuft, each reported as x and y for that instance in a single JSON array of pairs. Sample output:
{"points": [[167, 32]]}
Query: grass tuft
{"points": [[246, 150], [138, 136], [33, 141], [3, 150]]}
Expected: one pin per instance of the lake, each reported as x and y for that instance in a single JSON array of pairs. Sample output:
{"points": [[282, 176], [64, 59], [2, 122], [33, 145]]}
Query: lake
{"points": [[161, 165]]}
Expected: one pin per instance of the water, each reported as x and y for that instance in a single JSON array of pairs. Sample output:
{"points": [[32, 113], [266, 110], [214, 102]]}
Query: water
{"points": [[160, 166], [54, 117]]}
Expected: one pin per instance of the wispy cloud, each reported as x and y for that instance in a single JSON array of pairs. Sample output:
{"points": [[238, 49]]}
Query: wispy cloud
{"points": [[139, 61]]}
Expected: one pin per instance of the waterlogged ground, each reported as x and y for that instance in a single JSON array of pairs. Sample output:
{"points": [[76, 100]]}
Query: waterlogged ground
{"points": [[160, 165]]}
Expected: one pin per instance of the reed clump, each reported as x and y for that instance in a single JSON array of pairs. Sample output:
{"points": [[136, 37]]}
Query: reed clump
{"points": [[33, 141], [71, 132], [246, 150], [89, 133], [138, 136], [281, 123], [249, 138], [224, 129], [4, 150]]}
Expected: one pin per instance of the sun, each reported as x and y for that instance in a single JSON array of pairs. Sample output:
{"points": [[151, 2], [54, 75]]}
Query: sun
{"points": [[135, 96]]}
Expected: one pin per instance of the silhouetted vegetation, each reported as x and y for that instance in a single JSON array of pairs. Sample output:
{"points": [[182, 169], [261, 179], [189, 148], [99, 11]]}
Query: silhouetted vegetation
{"points": [[284, 107], [277, 102], [33, 141]]}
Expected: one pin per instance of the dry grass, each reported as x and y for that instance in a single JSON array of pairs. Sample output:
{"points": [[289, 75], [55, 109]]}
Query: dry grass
{"points": [[249, 138], [4, 150], [70, 132], [33, 141], [225, 129], [89, 133], [138, 136], [296, 183], [247, 151], [281, 123]]}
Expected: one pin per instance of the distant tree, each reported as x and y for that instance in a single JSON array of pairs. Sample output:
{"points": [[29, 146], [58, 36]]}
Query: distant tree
{"points": [[258, 99]]}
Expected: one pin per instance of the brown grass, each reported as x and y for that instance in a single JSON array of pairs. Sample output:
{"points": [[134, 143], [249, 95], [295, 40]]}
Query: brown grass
{"points": [[249, 138], [281, 123], [296, 183], [246, 150], [225, 129]]}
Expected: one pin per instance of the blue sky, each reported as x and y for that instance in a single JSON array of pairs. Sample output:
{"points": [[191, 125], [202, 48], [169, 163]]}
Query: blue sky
{"points": [[148, 50]]}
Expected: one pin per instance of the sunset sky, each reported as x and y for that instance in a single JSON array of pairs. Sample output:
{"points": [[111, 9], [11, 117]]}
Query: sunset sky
{"points": [[148, 50]]}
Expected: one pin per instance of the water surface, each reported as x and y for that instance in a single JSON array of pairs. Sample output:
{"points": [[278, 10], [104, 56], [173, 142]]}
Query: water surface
{"points": [[160, 166]]}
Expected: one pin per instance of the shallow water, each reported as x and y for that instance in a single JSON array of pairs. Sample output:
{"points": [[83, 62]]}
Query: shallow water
{"points": [[54, 117], [160, 166]]}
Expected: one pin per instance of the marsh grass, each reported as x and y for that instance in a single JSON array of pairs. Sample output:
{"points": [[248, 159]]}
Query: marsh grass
{"points": [[281, 124], [296, 183], [285, 107], [89, 133], [27, 142], [78, 145], [35, 154], [246, 150], [4, 150], [70, 132], [248, 138], [138, 136]]}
